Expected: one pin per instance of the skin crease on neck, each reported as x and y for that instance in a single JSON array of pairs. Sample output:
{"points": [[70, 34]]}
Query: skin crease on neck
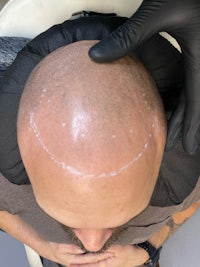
{"points": [[91, 138]]}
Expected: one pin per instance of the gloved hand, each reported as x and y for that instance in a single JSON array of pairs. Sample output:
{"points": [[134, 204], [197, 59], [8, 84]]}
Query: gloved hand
{"points": [[14, 79], [180, 18]]}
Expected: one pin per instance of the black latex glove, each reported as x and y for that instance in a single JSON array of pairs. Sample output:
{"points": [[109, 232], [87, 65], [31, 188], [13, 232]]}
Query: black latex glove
{"points": [[13, 81], [180, 18]]}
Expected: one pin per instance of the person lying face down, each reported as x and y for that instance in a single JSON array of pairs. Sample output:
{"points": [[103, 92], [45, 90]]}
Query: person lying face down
{"points": [[92, 138]]}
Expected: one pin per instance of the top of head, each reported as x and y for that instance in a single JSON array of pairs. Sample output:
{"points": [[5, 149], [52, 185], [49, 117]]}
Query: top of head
{"points": [[79, 110], [90, 120]]}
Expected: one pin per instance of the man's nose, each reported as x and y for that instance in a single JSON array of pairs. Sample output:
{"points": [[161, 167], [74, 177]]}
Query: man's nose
{"points": [[93, 240]]}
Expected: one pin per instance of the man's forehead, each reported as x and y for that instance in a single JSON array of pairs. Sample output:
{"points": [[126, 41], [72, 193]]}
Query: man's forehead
{"points": [[88, 206], [116, 226]]}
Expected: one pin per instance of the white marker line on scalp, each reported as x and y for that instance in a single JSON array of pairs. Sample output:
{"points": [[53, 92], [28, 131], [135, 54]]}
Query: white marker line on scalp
{"points": [[75, 171]]}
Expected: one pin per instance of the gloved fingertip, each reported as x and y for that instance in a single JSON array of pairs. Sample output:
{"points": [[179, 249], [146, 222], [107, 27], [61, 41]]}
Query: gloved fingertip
{"points": [[171, 139], [106, 51], [191, 140], [173, 135], [169, 145], [190, 148], [96, 53]]}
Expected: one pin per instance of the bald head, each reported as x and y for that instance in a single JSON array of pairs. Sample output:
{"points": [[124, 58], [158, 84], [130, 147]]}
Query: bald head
{"points": [[92, 135]]}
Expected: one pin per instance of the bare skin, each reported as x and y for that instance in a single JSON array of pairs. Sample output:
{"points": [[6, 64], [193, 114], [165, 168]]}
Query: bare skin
{"points": [[92, 146]]}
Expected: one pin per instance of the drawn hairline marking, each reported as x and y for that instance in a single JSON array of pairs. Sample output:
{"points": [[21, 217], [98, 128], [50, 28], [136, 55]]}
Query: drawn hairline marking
{"points": [[72, 169]]}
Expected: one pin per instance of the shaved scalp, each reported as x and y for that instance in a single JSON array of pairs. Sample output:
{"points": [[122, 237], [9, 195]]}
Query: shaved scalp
{"points": [[86, 120], [69, 99]]}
